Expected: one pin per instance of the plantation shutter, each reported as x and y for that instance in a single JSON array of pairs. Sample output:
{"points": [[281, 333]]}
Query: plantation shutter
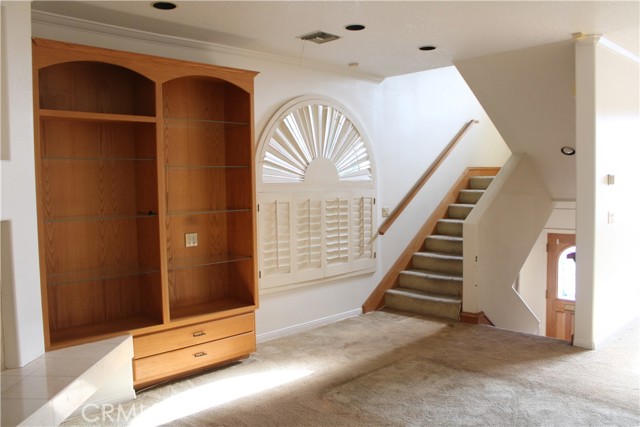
{"points": [[337, 246], [308, 239], [275, 245], [316, 185], [362, 229]]}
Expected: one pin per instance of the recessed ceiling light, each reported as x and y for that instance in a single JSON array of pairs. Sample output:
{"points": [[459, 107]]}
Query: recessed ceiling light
{"points": [[427, 48], [355, 27], [568, 151], [163, 5]]}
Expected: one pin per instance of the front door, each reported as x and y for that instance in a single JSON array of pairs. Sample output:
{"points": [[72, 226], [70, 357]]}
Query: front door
{"points": [[561, 285]]}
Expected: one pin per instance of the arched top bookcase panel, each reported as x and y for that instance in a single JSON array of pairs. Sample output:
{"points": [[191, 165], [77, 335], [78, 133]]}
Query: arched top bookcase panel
{"points": [[95, 87], [206, 98]]}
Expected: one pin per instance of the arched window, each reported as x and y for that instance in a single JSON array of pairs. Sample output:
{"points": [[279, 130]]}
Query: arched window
{"points": [[316, 196]]}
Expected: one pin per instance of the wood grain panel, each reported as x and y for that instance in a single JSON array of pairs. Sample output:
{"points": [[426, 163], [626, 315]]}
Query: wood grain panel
{"points": [[197, 285], [66, 138], [164, 365], [98, 301], [237, 104], [95, 87], [196, 190], [212, 236], [240, 233], [195, 143], [194, 98], [88, 188], [148, 345], [238, 152], [242, 276]]}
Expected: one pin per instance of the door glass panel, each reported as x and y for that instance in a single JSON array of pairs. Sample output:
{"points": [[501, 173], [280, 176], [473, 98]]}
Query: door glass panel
{"points": [[567, 274]]}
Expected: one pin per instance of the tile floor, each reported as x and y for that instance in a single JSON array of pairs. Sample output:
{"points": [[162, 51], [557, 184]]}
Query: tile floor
{"points": [[49, 389]]}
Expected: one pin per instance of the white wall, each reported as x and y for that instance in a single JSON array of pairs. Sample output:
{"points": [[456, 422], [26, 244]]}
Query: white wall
{"points": [[533, 276], [409, 120], [21, 306], [529, 95], [498, 236], [608, 126]]}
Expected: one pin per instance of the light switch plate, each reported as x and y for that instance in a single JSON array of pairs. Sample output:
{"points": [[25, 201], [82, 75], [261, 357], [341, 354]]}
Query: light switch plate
{"points": [[191, 240]]}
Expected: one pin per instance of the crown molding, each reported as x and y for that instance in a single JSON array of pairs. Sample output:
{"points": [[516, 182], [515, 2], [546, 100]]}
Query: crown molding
{"points": [[598, 39], [86, 26]]}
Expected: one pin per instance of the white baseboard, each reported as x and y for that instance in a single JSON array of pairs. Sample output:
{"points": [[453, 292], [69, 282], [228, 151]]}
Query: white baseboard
{"points": [[302, 327]]}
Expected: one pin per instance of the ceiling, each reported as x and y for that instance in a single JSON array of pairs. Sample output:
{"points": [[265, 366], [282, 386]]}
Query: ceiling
{"points": [[388, 46]]}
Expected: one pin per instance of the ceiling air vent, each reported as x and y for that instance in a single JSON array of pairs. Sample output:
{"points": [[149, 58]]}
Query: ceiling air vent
{"points": [[319, 37]]}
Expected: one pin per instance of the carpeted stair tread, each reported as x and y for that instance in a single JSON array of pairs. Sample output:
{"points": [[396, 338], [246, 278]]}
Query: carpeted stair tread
{"points": [[422, 302], [445, 237], [470, 196], [437, 262], [430, 275], [428, 281], [439, 256], [451, 220], [459, 210], [443, 244], [415, 293], [480, 182], [449, 227]]}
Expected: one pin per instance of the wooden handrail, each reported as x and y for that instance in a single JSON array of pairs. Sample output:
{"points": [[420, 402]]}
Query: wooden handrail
{"points": [[423, 179]]}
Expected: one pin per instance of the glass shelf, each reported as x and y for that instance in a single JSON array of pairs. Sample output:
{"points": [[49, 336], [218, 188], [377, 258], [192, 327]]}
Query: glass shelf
{"points": [[91, 218], [218, 211], [100, 274], [100, 159], [99, 117], [187, 121], [186, 263], [170, 166]]}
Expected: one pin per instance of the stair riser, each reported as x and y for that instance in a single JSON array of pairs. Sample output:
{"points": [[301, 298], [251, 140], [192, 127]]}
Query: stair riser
{"points": [[471, 197], [480, 182], [458, 212], [449, 229], [443, 246], [452, 267], [427, 308], [435, 286]]}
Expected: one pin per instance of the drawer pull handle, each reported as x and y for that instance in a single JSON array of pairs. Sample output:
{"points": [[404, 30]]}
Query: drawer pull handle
{"points": [[200, 354], [199, 334]]}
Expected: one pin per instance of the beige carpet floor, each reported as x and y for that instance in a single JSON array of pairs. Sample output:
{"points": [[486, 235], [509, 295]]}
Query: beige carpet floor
{"points": [[388, 369]]}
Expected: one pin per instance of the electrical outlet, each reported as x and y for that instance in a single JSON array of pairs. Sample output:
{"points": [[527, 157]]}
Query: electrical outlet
{"points": [[191, 240], [386, 211]]}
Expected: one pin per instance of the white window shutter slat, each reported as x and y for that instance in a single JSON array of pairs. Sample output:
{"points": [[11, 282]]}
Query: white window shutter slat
{"points": [[308, 240], [337, 241], [275, 242], [363, 228]]}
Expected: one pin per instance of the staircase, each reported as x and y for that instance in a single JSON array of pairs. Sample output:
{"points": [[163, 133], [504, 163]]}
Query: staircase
{"points": [[432, 286]]}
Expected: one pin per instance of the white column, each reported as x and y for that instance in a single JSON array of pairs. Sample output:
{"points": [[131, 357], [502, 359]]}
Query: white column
{"points": [[23, 336]]}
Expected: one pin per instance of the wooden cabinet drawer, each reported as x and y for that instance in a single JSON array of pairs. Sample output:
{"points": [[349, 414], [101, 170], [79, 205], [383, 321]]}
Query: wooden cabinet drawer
{"points": [[186, 336], [192, 358]]}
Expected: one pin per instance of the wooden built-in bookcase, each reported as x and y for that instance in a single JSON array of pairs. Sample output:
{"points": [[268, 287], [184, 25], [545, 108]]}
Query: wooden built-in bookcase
{"points": [[146, 205]]}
